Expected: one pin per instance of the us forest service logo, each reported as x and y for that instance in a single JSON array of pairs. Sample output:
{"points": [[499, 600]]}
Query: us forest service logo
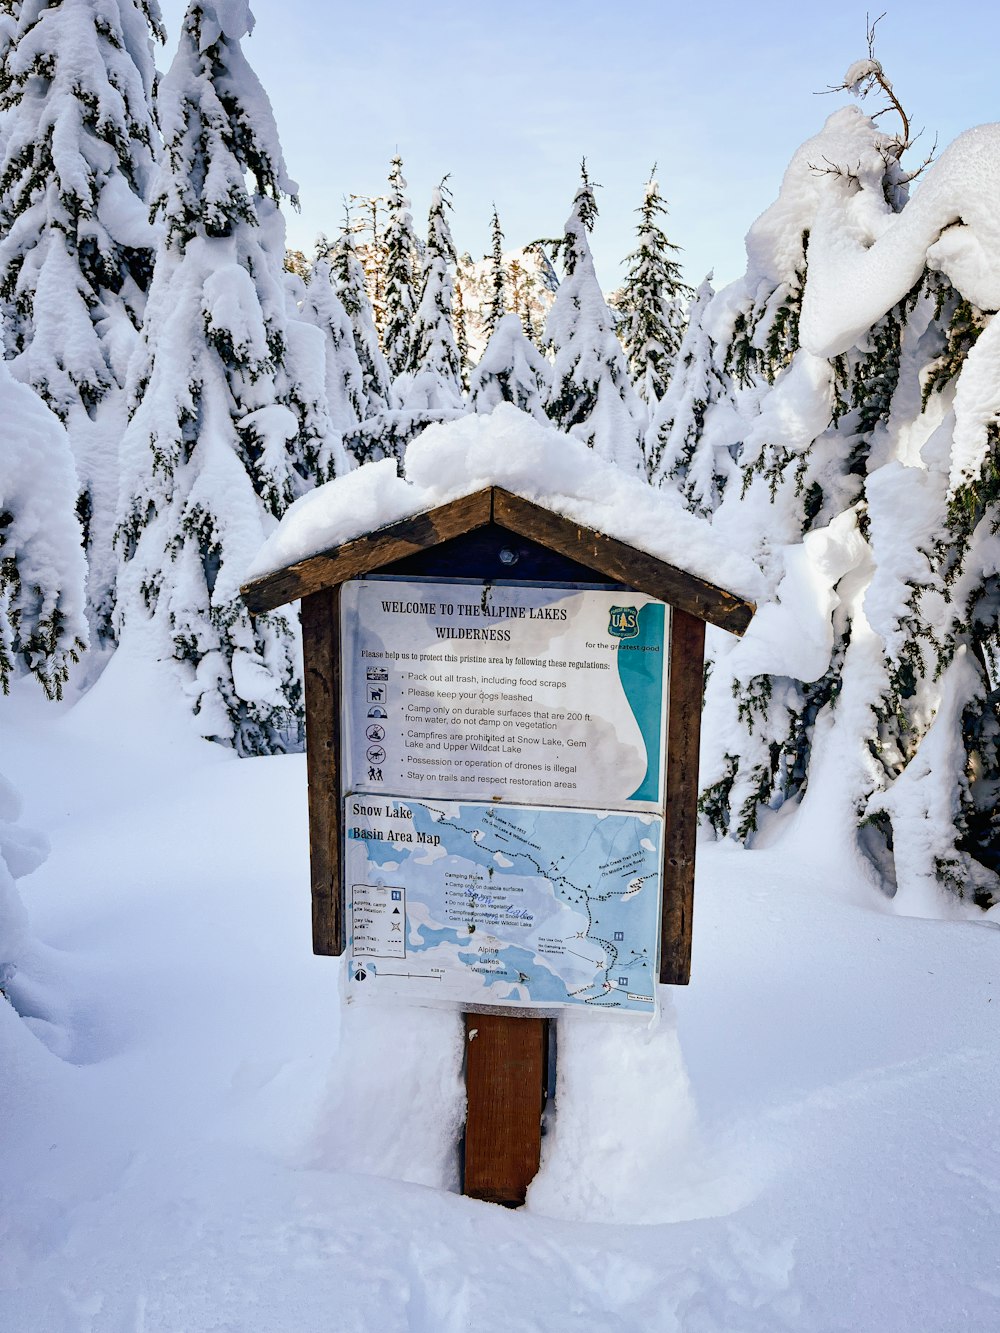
{"points": [[624, 622]]}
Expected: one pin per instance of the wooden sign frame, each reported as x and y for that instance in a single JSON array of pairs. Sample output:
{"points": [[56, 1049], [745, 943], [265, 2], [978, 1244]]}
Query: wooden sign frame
{"points": [[693, 600], [504, 1064]]}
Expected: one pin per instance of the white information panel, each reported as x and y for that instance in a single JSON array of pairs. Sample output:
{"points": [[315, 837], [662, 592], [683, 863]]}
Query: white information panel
{"points": [[501, 905], [531, 694]]}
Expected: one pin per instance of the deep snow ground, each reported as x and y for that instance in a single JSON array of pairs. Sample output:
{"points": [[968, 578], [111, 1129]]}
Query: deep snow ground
{"points": [[809, 1140]]}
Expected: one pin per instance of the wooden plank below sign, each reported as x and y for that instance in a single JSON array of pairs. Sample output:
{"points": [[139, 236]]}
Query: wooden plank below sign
{"points": [[687, 666], [321, 651], [505, 1089]]}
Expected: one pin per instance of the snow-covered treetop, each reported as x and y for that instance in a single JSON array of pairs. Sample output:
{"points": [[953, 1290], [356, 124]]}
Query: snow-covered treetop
{"points": [[225, 18], [866, 76], [435, 362], [864, 255], [952, 224], [511, 370], [401, 247], [591, 392], [218, 124], [498, 294], [510, 449], [580, 223], [650, 300], [350, 281]]}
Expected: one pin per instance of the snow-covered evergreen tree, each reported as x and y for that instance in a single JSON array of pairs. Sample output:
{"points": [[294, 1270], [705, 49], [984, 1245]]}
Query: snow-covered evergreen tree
{"points": [[461, 337], [220, 441], [364, 223], [861, 408], [76, 157], [512, 370], [436, 365], [43, 628], [787, 451], [651, 301], [42, 567], [530, 286], [349, 279], [591, 395], [678, 451], [316, 380], [498, 278], [401, 250], [345, 388]]}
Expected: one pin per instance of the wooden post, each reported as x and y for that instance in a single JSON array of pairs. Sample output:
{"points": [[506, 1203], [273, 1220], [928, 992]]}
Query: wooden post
{"points": [[505, 1086], [321, 651], [687, 666]]}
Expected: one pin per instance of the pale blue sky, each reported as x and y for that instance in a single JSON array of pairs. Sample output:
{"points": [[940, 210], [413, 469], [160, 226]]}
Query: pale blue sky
{"points": [[508, 97]]}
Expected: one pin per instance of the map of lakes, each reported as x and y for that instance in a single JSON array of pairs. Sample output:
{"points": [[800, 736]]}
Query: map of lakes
{"points": [[492, 904]]}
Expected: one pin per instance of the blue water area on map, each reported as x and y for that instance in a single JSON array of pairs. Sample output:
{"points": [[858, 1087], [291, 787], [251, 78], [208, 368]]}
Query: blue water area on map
{"points": [[430, 938], [381, 853]]}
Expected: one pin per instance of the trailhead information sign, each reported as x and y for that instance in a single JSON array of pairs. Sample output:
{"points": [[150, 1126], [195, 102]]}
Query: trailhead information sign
{"points": [[543, 695], [504, 758]]}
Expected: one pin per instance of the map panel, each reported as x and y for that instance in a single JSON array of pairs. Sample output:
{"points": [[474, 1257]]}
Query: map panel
{"points": [[496, 905]]}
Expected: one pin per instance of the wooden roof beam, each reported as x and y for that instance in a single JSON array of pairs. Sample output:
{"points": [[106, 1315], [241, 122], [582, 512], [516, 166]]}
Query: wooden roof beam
{"points": [[606, 555]]}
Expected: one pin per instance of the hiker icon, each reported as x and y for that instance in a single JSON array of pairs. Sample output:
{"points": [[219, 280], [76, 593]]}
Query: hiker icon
{"points": [[374, 774]]}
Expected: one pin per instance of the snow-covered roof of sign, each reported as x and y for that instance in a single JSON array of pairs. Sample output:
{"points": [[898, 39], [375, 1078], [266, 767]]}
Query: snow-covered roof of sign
{"points": [[507, 454]]}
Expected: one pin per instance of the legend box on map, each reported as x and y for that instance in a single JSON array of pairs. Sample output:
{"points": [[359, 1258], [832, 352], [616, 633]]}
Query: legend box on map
{"points": [[378, 920]]}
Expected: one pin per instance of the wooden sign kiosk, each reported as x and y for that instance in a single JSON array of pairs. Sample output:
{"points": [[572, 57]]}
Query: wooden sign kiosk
{"points": [[489, 536]]}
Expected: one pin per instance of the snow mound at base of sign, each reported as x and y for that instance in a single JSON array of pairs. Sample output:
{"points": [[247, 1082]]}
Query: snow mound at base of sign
{"points": [[395, 1107], [396, 1102], [605, 1143], [507, 448]]}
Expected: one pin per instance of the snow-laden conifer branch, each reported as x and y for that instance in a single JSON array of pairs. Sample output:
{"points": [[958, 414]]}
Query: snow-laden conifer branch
{"points": [[42, 569]]}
